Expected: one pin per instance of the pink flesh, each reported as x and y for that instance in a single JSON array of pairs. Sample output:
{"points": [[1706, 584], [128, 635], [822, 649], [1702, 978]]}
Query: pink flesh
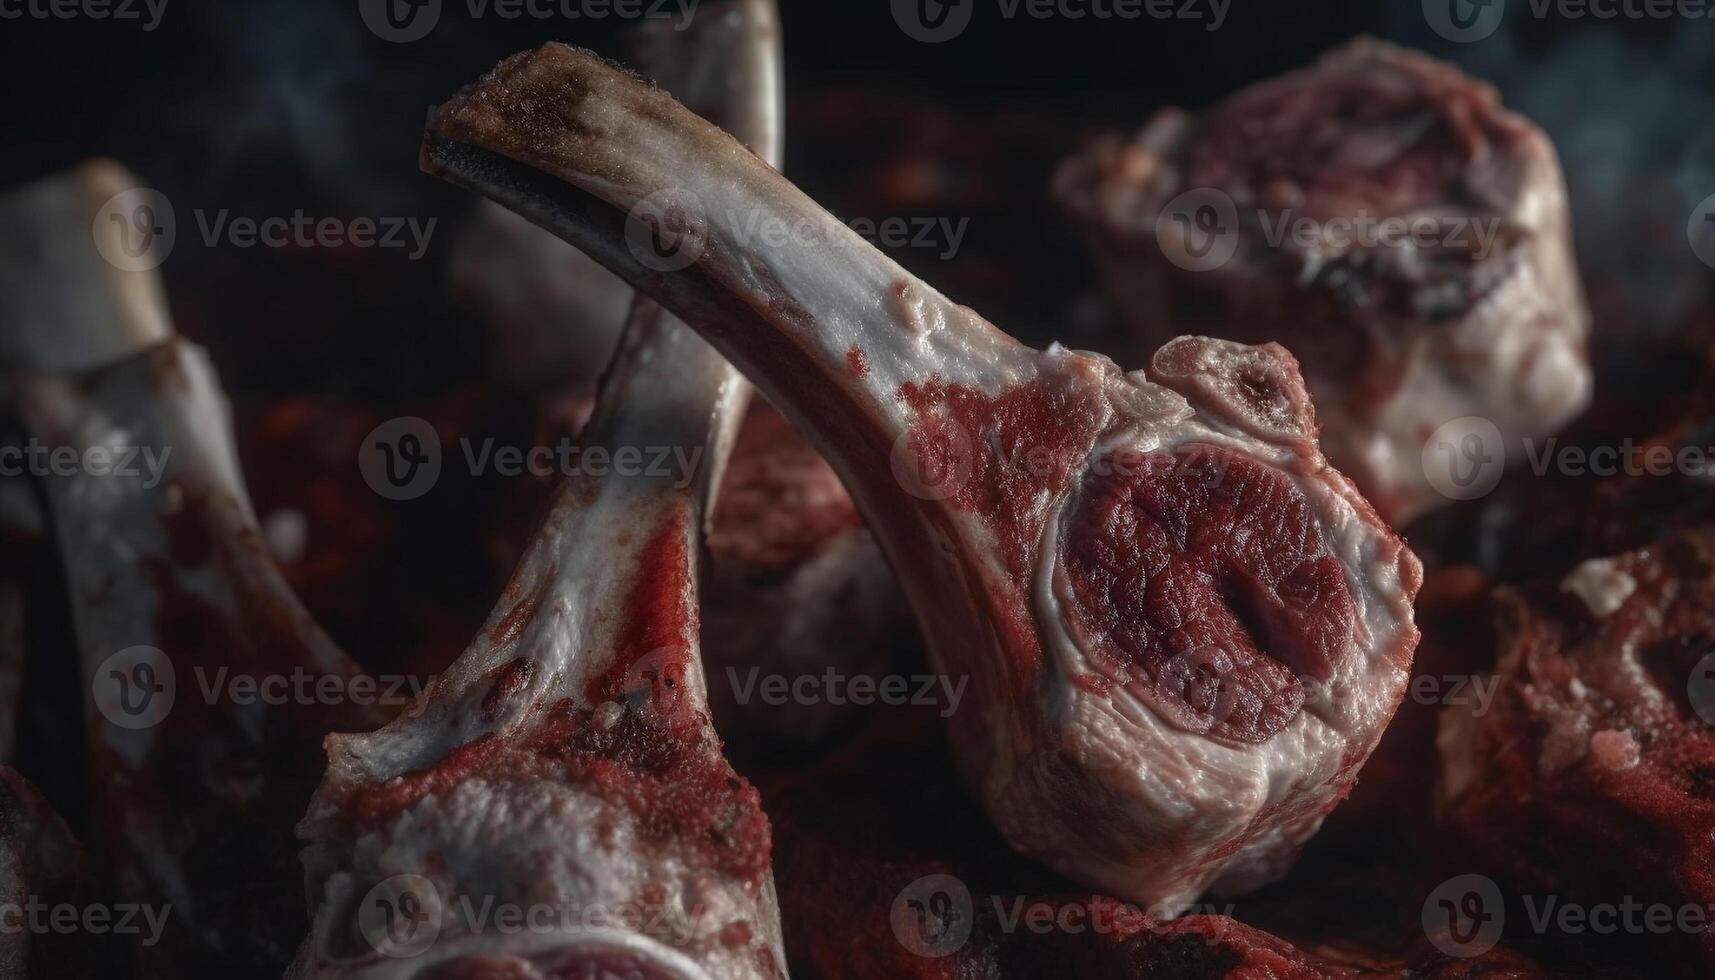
{"points": [[1354, 132], [1203, 579]]}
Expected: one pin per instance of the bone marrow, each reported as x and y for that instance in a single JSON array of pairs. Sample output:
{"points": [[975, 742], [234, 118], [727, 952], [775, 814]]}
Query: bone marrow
{"points": [[1202, 581]]}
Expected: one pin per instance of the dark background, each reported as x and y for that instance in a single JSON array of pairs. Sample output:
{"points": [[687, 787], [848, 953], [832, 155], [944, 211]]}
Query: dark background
{"points": [[265, 107]]}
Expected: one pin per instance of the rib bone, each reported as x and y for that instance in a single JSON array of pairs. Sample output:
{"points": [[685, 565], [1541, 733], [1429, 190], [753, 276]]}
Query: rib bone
{"points": [[1132, 771], [567, 763], [194, 793]]}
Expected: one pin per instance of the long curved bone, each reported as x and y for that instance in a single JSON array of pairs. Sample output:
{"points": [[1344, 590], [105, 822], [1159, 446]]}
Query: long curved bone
{"points": [[566, 768], [1107, 556], [177, 604]]}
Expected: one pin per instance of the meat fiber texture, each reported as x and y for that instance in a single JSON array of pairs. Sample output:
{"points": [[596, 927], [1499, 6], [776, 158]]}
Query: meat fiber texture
{"points": [[1589, 778], [1382, 216]]}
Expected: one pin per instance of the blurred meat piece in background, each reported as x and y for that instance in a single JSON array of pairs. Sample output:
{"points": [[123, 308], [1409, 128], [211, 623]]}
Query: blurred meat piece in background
{"points": [[1589, 775], [888, 869], [799, 594], [1381, 215], [172, 592]]}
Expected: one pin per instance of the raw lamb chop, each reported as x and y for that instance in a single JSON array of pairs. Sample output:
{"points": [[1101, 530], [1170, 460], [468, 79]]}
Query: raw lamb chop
{"points": [[1588, 778], [1183, 630], [174, 595], [1196, 222], [566, 766]]}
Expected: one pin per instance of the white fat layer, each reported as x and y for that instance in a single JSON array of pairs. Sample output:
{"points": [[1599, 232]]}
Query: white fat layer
{"points": [[1528, 382], [1197, 793], [1602, 584]]}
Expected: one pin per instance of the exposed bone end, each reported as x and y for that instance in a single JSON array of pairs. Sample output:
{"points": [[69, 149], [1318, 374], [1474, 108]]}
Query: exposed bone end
{"points": [[68, 306], [1200, 750], [1259, 390], [530, 108]]}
